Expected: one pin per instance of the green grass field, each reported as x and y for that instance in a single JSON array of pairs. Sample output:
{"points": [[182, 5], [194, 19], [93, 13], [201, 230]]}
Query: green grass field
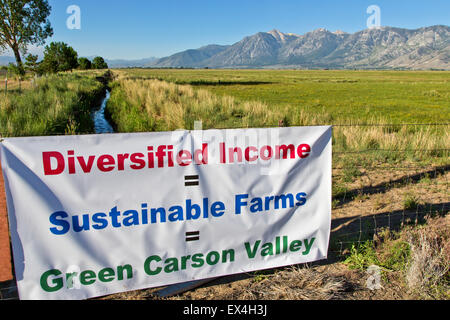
{"points": [[164, 100], [397, 96]]}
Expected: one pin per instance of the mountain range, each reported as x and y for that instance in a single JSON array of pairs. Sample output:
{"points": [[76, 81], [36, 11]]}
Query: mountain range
{"points": [[378, 48]]}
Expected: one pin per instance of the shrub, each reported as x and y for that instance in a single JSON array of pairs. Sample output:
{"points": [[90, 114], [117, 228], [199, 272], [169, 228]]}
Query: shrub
{"points": [[410, 202]]}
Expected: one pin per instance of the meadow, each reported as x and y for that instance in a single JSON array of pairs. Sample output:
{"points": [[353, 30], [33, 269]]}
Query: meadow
{"points": [[349, 96], [369, 109]]}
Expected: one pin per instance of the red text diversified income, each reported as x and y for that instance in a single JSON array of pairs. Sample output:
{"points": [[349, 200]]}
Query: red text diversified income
{"points": [[163, 156]]}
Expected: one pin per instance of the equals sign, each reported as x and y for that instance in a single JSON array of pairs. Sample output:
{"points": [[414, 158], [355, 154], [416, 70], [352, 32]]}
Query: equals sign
{"points": [[191, 181], [192, 236]]}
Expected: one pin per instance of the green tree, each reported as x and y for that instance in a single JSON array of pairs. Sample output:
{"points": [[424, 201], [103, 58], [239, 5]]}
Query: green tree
{"points": [[23, 22], [84, 64], [31, 63], [99, 63], [59, 56]]}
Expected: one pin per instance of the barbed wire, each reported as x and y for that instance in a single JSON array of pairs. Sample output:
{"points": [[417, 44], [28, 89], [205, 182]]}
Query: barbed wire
{"points": [[360, 228], [390, 150], [4, 134], [391, 124], [366, 234]]}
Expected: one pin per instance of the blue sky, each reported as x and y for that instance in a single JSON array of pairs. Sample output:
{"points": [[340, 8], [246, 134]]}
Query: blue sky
{"points": [[134, 29]]}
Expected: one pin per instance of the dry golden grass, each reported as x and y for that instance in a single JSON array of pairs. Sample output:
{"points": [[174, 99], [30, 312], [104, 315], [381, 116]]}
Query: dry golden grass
{"points": [[295, 283], [428, 270], [170, 106]]}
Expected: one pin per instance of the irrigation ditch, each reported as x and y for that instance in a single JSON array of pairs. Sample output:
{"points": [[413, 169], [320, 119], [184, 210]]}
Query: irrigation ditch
{"points": [[101, 124], [100, 117]]}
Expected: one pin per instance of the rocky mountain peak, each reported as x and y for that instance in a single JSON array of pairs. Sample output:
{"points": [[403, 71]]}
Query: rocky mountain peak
{"points": [[340, 32], [378, 48]]}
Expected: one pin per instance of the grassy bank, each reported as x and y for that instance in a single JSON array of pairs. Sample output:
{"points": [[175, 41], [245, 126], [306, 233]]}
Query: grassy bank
{"points": [[153, 105], [58, 104]]}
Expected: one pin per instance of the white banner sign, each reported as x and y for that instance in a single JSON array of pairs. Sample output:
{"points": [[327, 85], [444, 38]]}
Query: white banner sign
{"points": [[100, 214]]}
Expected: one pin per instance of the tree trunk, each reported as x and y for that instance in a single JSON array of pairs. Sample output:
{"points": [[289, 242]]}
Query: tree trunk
{"points": [[20, 68], [17, 55]]}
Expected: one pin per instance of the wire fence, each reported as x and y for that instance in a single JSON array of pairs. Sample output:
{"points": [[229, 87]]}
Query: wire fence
{"points": [[369, 197], [5, 134], [385, 198]]}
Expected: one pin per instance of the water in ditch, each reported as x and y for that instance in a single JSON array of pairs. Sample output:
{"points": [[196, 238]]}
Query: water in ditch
{"points": [[98, 116]]}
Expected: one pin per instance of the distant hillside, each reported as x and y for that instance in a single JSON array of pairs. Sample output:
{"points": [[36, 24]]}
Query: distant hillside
{"points": [[382, 48], [190, 58], [122, 63]]}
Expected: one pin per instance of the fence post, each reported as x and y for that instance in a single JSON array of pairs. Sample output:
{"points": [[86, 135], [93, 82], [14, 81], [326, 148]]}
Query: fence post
{"points": [[5, 252]]}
